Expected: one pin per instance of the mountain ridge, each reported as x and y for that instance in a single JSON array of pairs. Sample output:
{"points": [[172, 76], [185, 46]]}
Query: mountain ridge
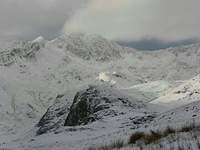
{"points": [[44, 70]]}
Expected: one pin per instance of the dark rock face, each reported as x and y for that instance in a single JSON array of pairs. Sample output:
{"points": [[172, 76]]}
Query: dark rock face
{"points": [[89, 105], [95, 103], [54, 117]]}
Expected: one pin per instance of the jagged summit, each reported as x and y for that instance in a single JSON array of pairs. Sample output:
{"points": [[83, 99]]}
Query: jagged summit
{"points": [[19, 51], [40, 40], [88, 46]]}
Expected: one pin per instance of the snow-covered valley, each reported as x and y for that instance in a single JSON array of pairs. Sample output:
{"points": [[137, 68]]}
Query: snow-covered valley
{"points": [[80, 90]]}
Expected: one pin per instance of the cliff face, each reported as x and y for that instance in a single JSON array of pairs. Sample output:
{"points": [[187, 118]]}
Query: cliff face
{"points": [[95, 103]]}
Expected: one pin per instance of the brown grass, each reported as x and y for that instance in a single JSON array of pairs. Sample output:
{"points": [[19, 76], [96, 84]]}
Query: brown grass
{"points": [[155, 136], [141, 138], [115, 145]]}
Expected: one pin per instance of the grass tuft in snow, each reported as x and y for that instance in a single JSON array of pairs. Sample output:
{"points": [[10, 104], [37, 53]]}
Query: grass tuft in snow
{"points": [[115, 145], [155, 136], [191, 126], [135, 137], [141, 139], [168, 130], [147, 138]]}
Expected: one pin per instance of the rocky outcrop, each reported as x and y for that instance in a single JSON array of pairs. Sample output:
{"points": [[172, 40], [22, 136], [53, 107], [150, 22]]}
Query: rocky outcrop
{"points": [[89, 105], [6, 58], [20, 51], [96, 103], [54, 117]]}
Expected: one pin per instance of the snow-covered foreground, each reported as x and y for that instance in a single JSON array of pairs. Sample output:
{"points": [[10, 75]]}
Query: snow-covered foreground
{"points": [[141, 90]]}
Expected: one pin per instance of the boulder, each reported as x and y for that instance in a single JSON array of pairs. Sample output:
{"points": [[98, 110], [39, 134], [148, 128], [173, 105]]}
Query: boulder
{"points": [[89, 105], [95, 103]]}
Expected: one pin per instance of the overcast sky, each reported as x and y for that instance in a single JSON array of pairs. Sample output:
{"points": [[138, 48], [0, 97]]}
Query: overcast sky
{"points": [[121, 20], [27, 19]]}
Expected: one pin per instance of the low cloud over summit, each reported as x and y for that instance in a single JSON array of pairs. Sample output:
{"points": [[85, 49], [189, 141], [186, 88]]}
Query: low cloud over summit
{"points": [[133, 20]]}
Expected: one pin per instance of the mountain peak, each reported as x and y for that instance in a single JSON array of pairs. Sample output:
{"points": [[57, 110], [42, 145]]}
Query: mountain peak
{"points": [[88, 46]]}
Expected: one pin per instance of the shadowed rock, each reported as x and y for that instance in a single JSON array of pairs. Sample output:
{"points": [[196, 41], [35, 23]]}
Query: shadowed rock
{"points": [[95, 103], [54, 117]]}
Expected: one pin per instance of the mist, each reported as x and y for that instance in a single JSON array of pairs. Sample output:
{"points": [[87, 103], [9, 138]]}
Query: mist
{"points": [[136, 20], [27, 19]]}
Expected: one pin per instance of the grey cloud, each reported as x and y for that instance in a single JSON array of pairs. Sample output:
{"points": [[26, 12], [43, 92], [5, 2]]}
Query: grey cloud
{"points": [[134, 20], [26, 19], [130, 21]]}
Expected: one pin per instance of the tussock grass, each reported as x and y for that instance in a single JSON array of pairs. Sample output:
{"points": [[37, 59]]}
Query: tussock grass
{"points": [[189, 127], [155, 136], [140, 138], [147, 138], [114, 145], [169, 130], [135, 137]]}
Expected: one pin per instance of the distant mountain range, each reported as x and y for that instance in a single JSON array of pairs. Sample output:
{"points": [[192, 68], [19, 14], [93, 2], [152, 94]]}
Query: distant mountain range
{"points": [[154, 44]]}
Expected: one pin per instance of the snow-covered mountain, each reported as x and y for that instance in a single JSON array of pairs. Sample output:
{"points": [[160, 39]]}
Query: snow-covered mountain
{"points": [[88, 46], [39, 80], [185, 93]]}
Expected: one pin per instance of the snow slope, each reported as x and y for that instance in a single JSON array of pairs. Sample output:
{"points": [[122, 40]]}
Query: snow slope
{"points": [[187, 92], [34, 73]]}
